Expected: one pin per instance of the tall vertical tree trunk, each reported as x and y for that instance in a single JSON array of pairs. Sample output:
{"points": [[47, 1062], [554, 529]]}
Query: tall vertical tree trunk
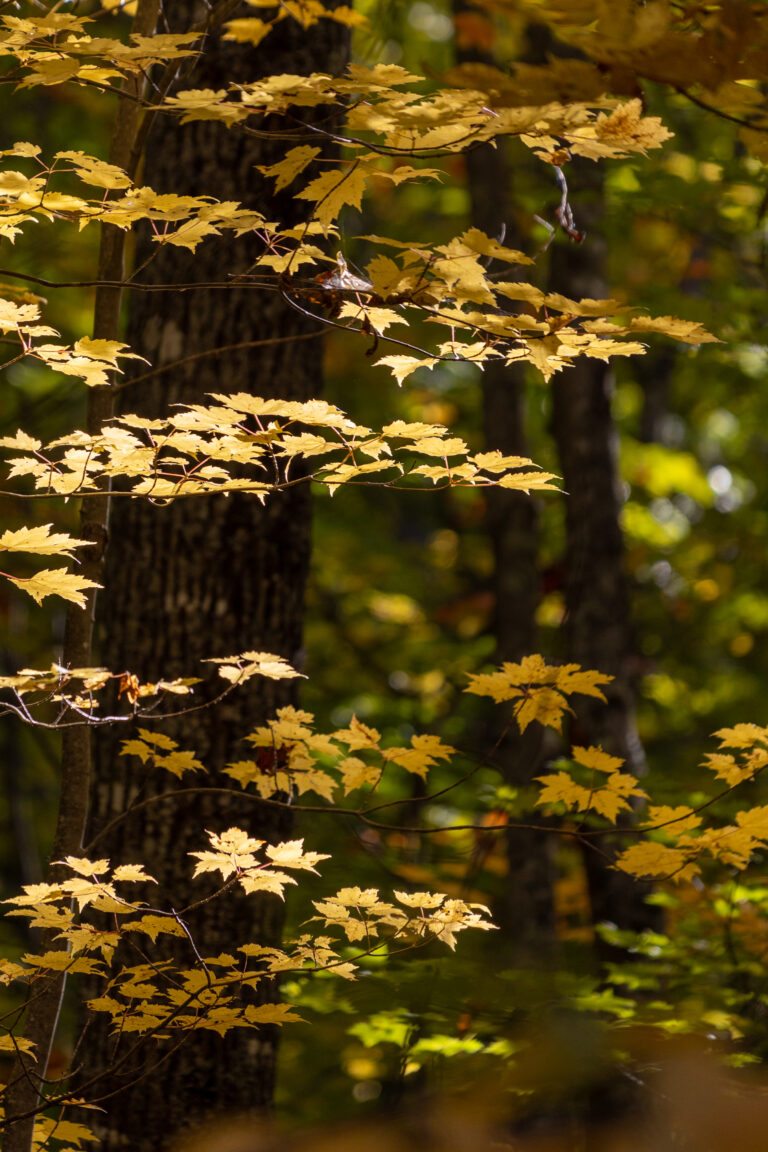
{"points": [[526, 910], [205, 577], [598, 626]]}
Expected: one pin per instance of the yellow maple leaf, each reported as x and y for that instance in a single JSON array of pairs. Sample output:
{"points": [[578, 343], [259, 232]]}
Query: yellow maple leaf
{"points": [[132, 872], [544, 705], [264, 880], [529, 481], [242, 667], [13, 1044], [572, 678], [94, 171], [247, 30], [626, 130], [291, 854], [159, 739], [154, 926], [54, 70], [379, 319], [612, 797], [728, 768], [21, 440], [742, 736], [358, 735], [178, 763], [754, 821], [439, 446], [270, 1014], [476, 240], [188, 235], [686, 331], [412, 431], [332, 190], [355, 773], [205, 104], [423, 754], [651, 859], [403, 366], [596, 759], [41, 541], [680, 818], [558, 787], [55, 582], [294, 162]]}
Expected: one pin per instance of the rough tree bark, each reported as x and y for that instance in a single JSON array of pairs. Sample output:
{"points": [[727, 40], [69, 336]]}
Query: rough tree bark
{"points": [[527, 906], [41, 1020], [598, 630], [526, 910], [204, 577]]}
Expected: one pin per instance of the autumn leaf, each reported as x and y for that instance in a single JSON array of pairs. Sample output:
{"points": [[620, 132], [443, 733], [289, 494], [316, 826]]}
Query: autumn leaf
{"points": [[41, 540], [285, 171], [242, 667], [271, 1014], [651, 859], [132, 872], [403, 366], [333, 190], [248, 30], [55, 582]]}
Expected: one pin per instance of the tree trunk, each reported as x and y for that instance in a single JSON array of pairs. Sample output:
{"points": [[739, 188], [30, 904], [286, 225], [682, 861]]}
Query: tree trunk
{"points": [[526, 910], [598, 625], [204, 577], [527, 907]]}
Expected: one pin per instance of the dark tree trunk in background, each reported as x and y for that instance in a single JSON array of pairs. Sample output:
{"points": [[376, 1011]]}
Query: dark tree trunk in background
{"points": [[653, 373], [598, 625], [526, 911], [527, 908], [205, 577]]}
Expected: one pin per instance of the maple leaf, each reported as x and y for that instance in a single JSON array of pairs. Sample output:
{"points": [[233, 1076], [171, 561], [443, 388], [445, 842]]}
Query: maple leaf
{"points": [[55, 582], [680, 817], [477, 241], [132, 872], [178, 763], [358, 735], [333, 190], [596, 759], [188, 235], [154, 926], [529, 481], [558, 787], [285, 171], [159, 739], [247, 30], [264, 880], [41, 540], [742, 735], [21, 440], [403, 366], [420, 899], [12, 1044], [651, 859], [204, 104], [355, 773], [728, 768], [291, 854], [94, 171], [271, 1014], [242, 667]]}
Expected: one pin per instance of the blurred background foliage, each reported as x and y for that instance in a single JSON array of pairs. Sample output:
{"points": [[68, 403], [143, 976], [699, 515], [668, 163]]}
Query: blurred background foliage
{"points": [[401, 608]]}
